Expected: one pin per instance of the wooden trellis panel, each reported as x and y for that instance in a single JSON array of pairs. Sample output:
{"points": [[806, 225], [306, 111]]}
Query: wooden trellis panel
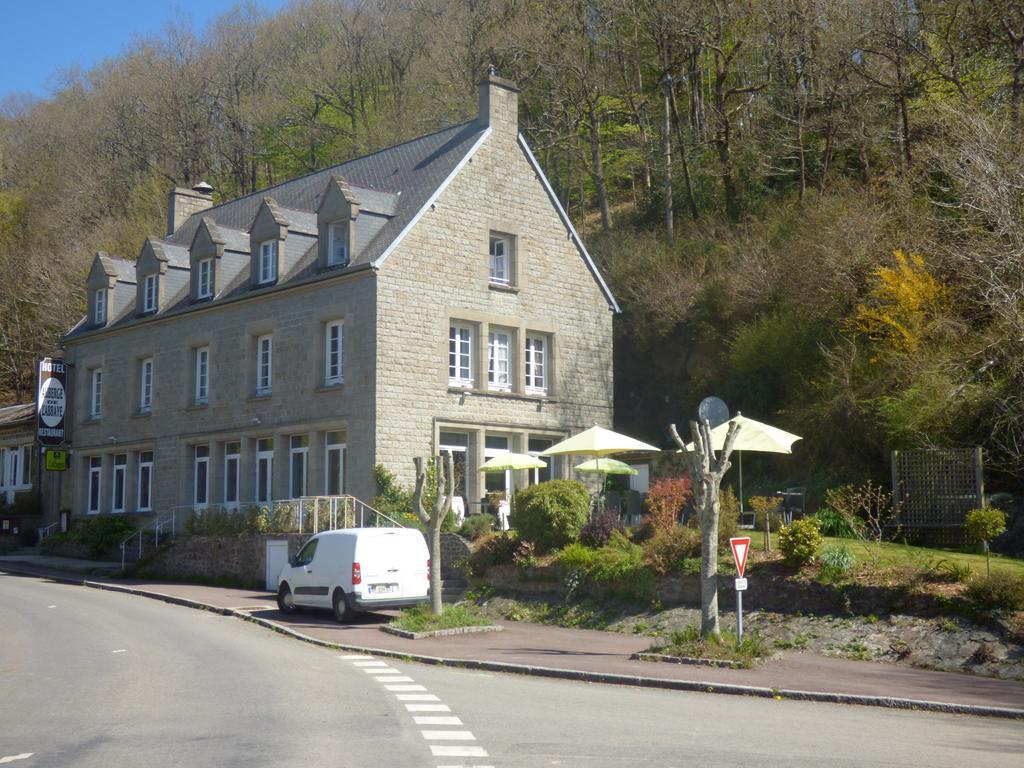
{"points": [[936, 488]]}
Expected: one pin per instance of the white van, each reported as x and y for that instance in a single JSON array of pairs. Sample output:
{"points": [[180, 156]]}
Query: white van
{"points": [[355, 570]]}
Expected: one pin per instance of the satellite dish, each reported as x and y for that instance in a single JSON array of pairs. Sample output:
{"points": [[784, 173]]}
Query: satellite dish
{"points": [[713, 410]]}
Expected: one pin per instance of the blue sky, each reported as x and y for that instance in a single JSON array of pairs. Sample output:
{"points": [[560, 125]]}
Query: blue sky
{"points": [[40, 38]]}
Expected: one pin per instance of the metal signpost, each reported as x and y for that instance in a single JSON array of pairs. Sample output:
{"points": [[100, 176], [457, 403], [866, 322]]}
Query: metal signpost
{"points": [[740, 547]]}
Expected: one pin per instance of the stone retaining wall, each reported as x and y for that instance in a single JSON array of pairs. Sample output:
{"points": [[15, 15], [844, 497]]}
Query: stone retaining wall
{"points": [[228, 559]]}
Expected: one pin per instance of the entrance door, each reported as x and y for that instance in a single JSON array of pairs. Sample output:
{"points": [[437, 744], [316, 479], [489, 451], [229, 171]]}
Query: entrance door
{"points": [[277, 559]]}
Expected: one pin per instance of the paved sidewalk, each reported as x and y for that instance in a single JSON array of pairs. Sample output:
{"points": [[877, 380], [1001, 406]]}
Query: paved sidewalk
{"points": [[536, 649]]}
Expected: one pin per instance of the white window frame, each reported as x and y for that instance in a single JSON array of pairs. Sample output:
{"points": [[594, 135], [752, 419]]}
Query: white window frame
{"points": [[337, 233], [499, 263], [534, 360], [28, 456], [460, 355], [232, 469], [334, 445], [145, 480], [334, 353], [264, 461], [201, 391], [490, 453], [149, 293], [146, 385], [99, 315], [298, 450], [95, 473], [204, 283], [96, 394], [265, 364], [499, 342], [201, 460], [268, 261], [119, 482]]}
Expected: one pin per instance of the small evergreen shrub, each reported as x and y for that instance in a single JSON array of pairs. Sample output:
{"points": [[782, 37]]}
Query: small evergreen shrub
{"points": [[834, 524], [728, 518], [1000, 591], [477, 526], [800, 541], [598, 530], [491, 550], [616, 570], [100, 534], [665, 501], [837, 559], [666, 552], [552, 514]]}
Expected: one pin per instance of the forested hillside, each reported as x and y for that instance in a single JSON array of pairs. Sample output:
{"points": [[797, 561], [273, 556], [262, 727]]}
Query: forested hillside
{"points": [[811, 208]]}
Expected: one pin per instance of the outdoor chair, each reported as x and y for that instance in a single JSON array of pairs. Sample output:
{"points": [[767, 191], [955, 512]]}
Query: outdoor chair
{"points": [[792, 503]]}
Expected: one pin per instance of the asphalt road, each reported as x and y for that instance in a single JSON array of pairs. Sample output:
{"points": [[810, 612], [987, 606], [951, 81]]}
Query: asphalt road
{"points": [[93, 678]]}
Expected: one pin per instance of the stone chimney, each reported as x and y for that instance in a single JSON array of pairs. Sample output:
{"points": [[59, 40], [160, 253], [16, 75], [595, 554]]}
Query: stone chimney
{"points": [[182, 203], [499, 105]]}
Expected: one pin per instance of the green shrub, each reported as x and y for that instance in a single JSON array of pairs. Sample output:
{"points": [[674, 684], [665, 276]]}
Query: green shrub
{"points": [[1001, 591], [665, 501], [598, 530], [667, 552], [834, 524], [800, 541], [616, 570], [837, 559], [552, 514], [728, 518], [101, 534], [392, 499], [491, 550], [477, 526], [984, 525]]}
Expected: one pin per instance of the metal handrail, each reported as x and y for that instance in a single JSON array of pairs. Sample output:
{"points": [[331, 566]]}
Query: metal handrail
{"points": [[44, 532], [124, 543], [159, 525], [346, 506]]}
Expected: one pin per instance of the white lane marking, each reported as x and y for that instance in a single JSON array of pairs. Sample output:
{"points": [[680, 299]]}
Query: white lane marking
{"points": [[355, 657], [120, 650], [438, 720], [12, 758], [460, 765], [410, 688], [417, 697], [382, 671], [450, 751], [51, 606], [396, 679], [448, 735], [369, 663], [428, 708]]}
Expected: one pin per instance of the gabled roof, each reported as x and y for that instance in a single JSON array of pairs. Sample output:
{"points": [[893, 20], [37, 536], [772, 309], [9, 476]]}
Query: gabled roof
{"points": [[121, 269], [17, 414]]}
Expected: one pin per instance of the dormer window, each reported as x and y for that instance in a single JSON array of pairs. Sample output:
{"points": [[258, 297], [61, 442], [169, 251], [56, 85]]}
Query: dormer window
{"points": [[149, 292], [99, 309], [205, 285], [500, 260], [268, 261], [337, 244]]}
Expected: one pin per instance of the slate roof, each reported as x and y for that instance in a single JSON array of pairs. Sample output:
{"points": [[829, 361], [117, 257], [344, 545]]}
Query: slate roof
{"points": [[395, 182], [123, 269], [16, 414]]}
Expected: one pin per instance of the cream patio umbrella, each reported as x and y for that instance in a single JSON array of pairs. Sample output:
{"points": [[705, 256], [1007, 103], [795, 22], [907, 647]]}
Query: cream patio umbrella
{"points": [[752, 436], [509, 462], [606, 467]]}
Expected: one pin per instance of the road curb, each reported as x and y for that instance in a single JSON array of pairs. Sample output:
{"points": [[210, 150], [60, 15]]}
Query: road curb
{"points": [[638, 681]]}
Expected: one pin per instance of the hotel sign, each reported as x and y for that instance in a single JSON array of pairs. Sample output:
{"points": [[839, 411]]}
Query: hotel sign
{"points": [[52, 401]]}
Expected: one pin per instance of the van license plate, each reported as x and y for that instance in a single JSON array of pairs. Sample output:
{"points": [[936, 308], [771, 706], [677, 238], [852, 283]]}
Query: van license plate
{"points": [[383, 589]]}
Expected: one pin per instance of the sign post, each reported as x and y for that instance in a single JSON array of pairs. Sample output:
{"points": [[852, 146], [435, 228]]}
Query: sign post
{"points": [[740, 547]]}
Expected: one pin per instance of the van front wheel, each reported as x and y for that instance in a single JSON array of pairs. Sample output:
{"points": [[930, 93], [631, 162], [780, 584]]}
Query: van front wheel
{"points": [[342, 610], [285, 600]]}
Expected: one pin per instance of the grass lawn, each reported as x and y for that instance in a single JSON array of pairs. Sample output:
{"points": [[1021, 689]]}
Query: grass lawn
{"points": [[888, 554], [420, 619]]}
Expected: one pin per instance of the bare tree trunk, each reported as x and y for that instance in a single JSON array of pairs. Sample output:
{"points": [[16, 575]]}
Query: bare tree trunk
{"points": [[598, 168], [435, 517], [691, 200], [666, 137], [706, 472]]}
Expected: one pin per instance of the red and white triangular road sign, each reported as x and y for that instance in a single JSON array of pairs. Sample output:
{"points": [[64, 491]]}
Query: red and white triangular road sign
{"points": [[740, 546]]}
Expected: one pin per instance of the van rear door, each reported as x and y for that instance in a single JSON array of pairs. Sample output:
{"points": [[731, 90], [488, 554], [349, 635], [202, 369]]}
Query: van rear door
{"points": [[388, 565]]}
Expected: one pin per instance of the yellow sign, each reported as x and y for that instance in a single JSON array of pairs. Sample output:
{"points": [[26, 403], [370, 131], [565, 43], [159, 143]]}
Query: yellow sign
{"points": [[56, 461]]}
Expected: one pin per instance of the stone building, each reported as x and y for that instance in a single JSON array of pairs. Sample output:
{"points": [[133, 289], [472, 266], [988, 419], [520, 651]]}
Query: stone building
{"points": [[18, 475], [432, 295]]}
